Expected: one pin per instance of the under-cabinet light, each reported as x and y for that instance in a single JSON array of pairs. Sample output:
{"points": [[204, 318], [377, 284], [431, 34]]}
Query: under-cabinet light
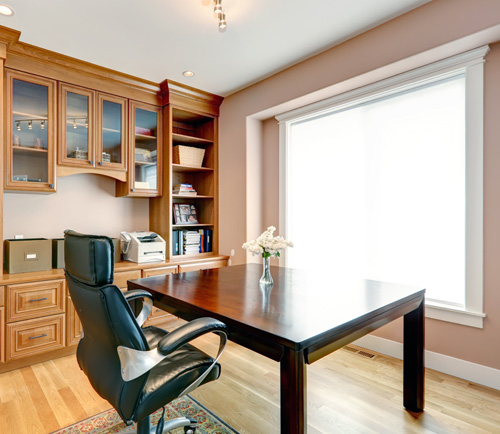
{"points": [[18, 125], [74, 124], [30, 125], [222, 21], [42, 125], [218, 7]]}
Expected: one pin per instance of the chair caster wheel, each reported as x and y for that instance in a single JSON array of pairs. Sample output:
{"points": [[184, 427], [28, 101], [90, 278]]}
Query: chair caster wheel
{"points": [[189, 430]]}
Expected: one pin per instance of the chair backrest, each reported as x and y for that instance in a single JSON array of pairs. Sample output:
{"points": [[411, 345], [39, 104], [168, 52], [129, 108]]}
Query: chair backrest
{"points": [[106, 317]]}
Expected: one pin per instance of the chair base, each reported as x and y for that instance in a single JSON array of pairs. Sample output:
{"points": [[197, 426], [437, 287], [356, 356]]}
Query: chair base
{"points": [[144, 425]]}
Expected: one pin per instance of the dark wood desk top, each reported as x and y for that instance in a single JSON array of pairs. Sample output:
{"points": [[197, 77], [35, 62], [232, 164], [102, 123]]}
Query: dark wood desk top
{"points": [[302, 308]]}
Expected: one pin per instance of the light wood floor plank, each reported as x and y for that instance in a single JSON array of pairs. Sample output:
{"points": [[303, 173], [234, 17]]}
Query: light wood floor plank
{"points": [[347, 394]]}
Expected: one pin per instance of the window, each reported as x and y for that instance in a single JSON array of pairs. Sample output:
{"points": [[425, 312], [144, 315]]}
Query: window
{"points": [[386, 184]]}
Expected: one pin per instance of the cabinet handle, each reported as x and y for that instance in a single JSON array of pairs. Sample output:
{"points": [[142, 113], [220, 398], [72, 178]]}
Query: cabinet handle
{"points": [[38, 299], [36, 337]]}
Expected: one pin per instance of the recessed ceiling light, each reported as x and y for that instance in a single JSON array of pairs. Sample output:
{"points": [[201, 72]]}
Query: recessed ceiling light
{"points": [[6, 10], [188, 73]]}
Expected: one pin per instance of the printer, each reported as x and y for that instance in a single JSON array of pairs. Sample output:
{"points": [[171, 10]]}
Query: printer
{"points": [[143, 246]]}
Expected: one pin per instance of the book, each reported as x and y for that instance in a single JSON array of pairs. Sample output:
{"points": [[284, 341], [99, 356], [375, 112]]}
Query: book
{"points": [[175, 243]]}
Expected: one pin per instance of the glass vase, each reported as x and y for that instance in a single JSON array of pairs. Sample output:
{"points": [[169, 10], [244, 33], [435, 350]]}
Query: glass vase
{"points": [[266, 278]]}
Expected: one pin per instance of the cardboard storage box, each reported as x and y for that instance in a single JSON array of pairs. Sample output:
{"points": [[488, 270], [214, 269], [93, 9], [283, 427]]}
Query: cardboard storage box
{"points": [[31, 254], [58, 253], [118, 251]]}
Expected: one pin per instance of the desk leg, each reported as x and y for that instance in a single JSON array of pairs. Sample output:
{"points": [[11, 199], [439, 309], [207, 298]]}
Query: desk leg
{"points": [[413, 357], [293, 392]]}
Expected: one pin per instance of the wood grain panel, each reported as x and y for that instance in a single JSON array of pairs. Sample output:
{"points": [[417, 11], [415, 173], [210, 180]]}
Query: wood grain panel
{"points": [[2, 334], [2, 295], [34, 336], [121, 278], [31, 300], [73, 325]]}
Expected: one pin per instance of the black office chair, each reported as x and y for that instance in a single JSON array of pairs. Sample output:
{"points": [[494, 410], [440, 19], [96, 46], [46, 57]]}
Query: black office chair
{"points": [[138, 370]]}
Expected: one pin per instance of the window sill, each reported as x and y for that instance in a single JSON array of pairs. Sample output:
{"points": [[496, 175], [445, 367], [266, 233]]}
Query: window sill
{"points": [[456, 315]]}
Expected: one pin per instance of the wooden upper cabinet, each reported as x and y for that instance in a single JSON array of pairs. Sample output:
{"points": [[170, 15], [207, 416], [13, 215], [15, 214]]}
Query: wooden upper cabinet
{"points": [[93, 131], [145, 152], [30, 133], [111, 132], [76, 126]]}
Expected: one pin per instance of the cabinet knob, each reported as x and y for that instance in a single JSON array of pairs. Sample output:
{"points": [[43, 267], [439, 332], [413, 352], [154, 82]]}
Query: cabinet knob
{"points": [[132, 190], [100, 163], [91, 162], [51, 185]]}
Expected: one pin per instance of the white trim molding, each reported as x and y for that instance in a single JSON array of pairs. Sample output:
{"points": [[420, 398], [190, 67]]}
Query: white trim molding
{"points": [[469, 371]]}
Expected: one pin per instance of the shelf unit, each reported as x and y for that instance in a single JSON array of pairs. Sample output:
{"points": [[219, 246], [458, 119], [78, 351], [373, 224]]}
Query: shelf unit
{"points": [[190, 124]]}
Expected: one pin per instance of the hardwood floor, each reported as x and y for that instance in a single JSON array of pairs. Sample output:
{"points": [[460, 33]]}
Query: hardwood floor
{"points": [[348, 392]]}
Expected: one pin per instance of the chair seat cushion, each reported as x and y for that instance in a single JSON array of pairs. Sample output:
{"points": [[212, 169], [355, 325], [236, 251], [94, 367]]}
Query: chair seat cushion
{"points": [[168, 379]]}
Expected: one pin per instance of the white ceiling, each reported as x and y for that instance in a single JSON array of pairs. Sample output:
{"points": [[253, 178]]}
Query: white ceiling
{"points": [[158, 39]]}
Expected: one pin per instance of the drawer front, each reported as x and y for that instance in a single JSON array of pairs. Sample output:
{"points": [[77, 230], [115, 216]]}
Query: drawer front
{"points": [[35, 336], [159, 271], [32, 300], [2, 295], [202, 265], [121, 278]]}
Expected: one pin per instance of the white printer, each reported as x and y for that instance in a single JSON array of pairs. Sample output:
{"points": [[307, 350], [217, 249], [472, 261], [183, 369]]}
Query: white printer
{"points": [[143, 246]]}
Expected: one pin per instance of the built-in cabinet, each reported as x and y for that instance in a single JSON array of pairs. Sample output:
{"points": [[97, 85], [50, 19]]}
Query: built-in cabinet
{"points": [[30, 136], [67, 117], [92, 129], [145, 153]]}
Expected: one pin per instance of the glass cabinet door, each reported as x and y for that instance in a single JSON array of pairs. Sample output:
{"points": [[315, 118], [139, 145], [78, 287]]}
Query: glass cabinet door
{"points": [[77, 116], [30, 153], [145, 158], [112, 115]]}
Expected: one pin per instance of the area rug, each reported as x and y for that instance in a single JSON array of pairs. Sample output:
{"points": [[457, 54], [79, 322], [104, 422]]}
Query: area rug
{"points": [[109, 422]]}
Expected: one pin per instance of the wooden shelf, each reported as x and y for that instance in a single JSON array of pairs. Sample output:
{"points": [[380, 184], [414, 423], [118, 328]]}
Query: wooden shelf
{"points": [[183, 168], [182, 138], [144, 138], [192, 225], [145, 163], [28, 151], [185, 196]]}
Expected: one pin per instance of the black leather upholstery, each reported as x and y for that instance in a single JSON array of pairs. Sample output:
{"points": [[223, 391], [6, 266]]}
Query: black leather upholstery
{"points": [[109, 322]]}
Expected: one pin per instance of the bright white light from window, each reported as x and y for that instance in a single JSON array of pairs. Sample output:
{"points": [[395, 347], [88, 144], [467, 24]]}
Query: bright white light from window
{"points": [[378, 191]]}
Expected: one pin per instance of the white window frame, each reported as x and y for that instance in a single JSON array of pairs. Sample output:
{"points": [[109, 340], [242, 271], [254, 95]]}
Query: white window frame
{"points": [[471, 64]]}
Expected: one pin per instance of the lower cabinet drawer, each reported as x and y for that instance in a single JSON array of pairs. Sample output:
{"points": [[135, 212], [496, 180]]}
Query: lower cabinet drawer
{"points": [[202, 265], [2, 335], [121, 278], [34, 336], [162, 271], [33, 300]]}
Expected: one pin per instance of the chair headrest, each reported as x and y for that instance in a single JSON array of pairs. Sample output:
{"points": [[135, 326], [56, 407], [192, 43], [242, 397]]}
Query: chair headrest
{"points": [[89, 258]]}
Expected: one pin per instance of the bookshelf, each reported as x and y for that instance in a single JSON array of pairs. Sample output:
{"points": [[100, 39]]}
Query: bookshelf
{"points": [[191, 124]]}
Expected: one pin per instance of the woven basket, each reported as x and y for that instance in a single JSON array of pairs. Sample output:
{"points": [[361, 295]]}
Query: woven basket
{"points": [[188, 156]]}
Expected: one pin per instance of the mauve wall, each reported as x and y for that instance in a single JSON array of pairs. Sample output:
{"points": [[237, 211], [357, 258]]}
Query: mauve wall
{"points": [[432, 25], [85, 203]]}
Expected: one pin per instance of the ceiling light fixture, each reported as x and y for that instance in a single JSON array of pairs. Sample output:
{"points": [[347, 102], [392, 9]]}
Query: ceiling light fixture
{"points": [[18, 125], [6, 10], [220, 14], [42, 125], [218, 7], [188, 74], [222, 21], [30, 125]]}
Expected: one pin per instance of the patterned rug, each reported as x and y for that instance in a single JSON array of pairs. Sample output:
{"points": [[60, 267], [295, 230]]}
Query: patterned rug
{"points": [[109, 422]]}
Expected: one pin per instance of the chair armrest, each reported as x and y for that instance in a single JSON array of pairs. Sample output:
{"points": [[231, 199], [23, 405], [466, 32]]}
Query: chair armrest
{"points": [[135, 363], [147, 305], [189, 331]]}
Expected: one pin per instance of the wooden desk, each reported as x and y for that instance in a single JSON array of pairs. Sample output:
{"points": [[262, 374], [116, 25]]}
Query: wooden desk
{"points": [[305, 316]]}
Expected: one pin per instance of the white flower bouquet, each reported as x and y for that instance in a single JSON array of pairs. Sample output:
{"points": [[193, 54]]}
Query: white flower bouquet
{"points": [[266, 245]]}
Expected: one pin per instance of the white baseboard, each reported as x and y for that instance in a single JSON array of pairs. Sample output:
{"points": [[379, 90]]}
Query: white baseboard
{"points": [[449, 365]]}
